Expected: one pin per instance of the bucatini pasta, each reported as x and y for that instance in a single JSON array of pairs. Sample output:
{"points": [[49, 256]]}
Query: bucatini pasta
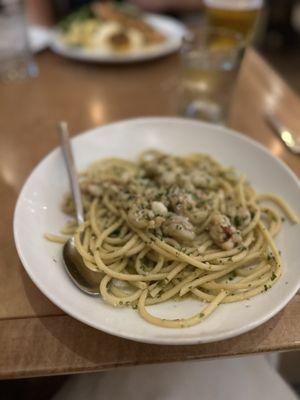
{"points": [[169, 227]]}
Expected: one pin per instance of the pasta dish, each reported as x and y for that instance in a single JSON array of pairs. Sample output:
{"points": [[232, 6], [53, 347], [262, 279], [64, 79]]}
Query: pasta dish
{"points": [[109, 27], [170, 227]]}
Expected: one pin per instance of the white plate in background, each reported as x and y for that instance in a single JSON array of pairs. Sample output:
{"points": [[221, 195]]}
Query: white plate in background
{"points": [[38, 211], [170, 27]]}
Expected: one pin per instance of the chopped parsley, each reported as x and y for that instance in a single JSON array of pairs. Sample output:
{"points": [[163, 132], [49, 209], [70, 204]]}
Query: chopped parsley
{"points": [[232, 275], [237, 221], [274, 276]]}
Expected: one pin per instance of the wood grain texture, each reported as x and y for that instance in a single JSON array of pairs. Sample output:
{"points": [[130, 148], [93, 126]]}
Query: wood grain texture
{"points": [[57, 345], [261, 90], [36, 338]]}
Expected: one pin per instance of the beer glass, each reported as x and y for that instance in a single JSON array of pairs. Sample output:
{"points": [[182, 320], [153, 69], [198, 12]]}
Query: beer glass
{"points": [[238, 15]]}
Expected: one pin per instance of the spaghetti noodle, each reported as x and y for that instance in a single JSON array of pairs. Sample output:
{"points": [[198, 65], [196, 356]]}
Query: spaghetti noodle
{"points": [[171, 227]]}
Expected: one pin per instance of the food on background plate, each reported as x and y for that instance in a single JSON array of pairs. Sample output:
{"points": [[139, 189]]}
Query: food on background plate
{"points": [[172, 227], [109, 27]]}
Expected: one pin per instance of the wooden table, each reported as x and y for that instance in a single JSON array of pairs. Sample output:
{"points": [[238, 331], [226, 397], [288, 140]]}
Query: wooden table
{"points": [[37, 338]]}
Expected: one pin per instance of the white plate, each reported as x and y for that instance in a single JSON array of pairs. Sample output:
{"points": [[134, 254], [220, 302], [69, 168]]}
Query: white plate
{"points": [[172, 29], [38, 211], [39, 38]]}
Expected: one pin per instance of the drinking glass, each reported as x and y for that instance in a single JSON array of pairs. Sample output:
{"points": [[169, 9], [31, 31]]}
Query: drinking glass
{"points": [[238, 15], [210, 64], [16, 61]]}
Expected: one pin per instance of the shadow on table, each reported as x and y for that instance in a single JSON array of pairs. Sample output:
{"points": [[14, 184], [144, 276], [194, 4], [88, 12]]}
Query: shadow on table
{"points": [[85, 348], [38, 301]]}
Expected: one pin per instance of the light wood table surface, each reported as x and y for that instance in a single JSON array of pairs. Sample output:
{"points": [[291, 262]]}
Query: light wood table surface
{"points": [[37, 338]]}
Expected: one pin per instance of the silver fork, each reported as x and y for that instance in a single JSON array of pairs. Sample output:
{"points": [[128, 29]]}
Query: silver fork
{"points": [[286, 135]]}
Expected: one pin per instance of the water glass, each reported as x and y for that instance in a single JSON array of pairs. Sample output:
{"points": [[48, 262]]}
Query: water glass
{"points": [[16, 61], [210, 64]]}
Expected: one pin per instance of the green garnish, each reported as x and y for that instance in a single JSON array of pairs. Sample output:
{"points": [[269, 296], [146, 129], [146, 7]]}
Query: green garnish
{"points": [[82, 14]]}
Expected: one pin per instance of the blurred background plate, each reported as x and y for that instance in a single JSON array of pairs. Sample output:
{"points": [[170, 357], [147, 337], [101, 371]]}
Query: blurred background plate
{"points": [[171, 28]]}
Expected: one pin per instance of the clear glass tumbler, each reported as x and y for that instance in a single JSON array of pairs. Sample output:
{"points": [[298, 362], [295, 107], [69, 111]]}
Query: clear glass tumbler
{"points": [[210, 62], [16, 61]]}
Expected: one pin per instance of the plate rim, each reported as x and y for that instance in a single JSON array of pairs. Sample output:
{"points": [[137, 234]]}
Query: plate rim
{"points": [[111, 58], [154, 340]]}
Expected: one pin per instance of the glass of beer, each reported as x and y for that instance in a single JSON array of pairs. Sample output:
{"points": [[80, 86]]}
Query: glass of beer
{"points": [[210, 63], [238, 15]]}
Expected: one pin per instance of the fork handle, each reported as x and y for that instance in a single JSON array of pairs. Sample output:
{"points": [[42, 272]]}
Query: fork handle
{"points": [[284, 134]]}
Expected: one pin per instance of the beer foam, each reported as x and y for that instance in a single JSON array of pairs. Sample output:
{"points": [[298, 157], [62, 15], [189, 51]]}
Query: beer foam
{"points": [[234, 4]]}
